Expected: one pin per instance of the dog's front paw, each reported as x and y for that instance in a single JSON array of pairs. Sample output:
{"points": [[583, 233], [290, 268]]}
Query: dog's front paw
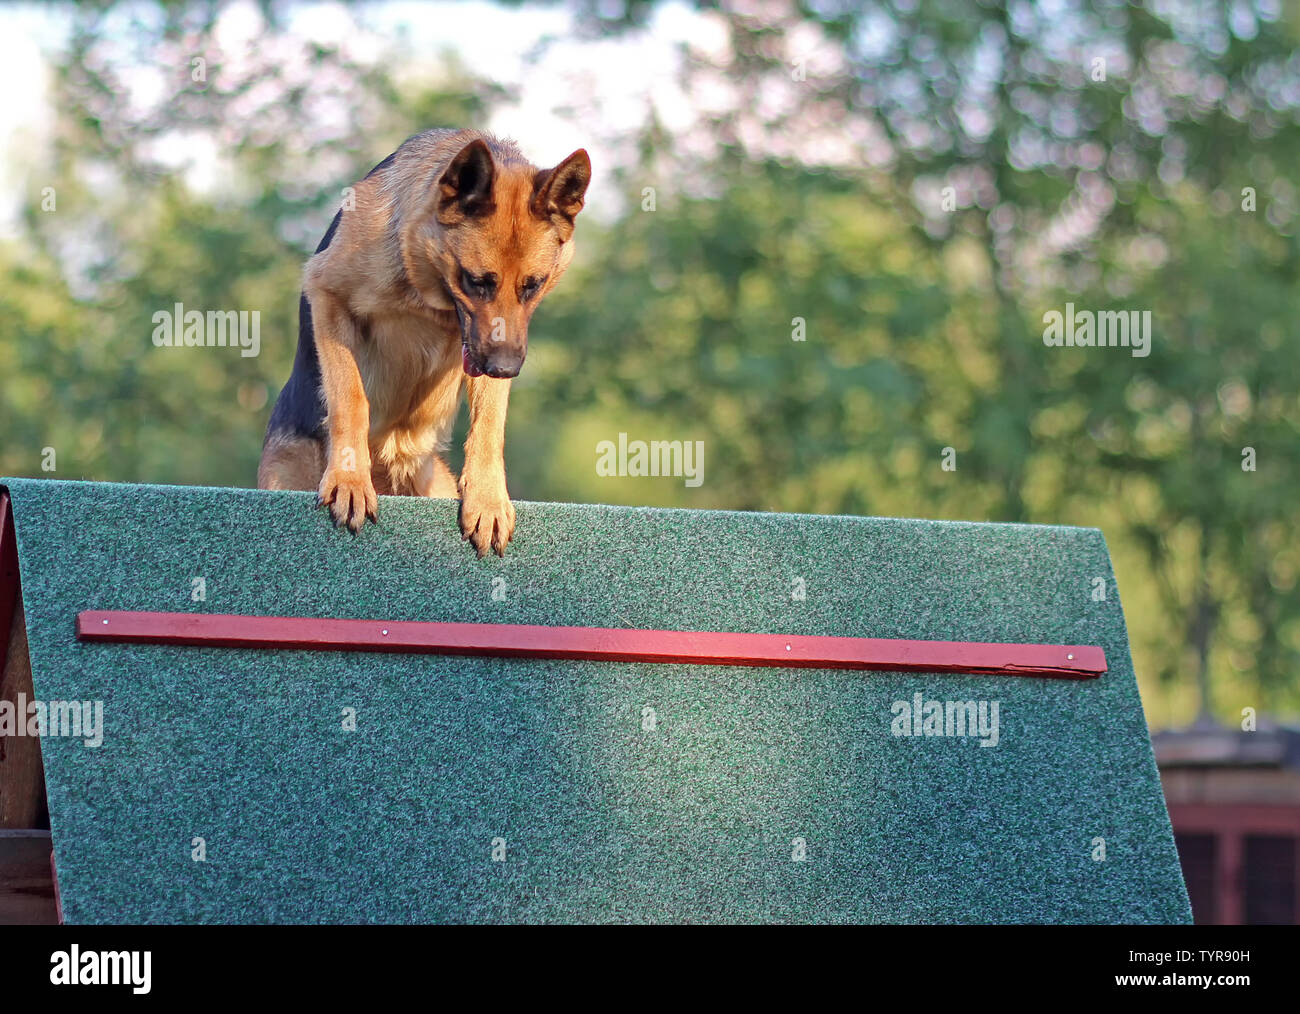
{"points": [[350, 496], [487, 518]]}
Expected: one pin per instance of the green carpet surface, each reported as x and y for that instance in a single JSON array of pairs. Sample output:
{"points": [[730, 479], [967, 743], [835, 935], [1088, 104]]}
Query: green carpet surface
{"points": [[499, 790]]}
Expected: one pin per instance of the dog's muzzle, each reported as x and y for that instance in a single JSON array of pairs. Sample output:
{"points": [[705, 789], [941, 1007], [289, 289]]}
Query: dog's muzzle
{"points": [[501, 363]]}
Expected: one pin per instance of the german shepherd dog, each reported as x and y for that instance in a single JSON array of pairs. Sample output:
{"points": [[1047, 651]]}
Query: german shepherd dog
{"points": [[423, 286]]}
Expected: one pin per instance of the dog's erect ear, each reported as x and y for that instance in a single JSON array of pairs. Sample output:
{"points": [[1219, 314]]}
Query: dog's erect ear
{"points": [[465, 188], [560, 191]]}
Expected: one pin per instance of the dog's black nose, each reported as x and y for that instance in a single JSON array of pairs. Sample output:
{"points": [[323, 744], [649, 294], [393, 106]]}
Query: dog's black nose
{"points": [[502, 365]]}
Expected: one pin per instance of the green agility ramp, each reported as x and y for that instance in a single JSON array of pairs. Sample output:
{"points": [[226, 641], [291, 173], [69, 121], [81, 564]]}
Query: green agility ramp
{"points": [[250, 782]]}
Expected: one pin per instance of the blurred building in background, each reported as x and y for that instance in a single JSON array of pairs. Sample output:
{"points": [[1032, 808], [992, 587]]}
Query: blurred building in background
{"points": [[1234, 800]]}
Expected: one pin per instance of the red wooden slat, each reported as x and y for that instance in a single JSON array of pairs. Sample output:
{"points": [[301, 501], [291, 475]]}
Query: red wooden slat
{"points": [[592, 643]]}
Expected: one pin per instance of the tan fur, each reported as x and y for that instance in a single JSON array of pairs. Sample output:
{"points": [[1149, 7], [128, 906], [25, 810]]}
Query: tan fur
{"points": [[290, 463], [383, 298]]}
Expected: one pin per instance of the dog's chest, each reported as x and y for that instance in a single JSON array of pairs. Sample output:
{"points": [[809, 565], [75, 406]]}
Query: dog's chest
{"points": [[411, 370]]}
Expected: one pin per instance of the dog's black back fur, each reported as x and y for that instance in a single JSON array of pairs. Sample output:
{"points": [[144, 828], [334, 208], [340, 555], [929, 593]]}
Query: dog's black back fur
{"points": [[300, 408]]}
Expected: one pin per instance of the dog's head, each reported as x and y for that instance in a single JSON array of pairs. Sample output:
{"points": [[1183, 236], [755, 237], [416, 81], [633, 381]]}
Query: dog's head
{"points": [[504, 237]]}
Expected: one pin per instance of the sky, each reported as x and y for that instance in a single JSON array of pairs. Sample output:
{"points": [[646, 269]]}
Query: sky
{"points": [[613, 79]]}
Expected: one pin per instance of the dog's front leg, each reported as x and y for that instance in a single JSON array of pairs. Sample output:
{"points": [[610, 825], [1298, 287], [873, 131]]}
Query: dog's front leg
{"points": [[487, 517], [346, 485]]}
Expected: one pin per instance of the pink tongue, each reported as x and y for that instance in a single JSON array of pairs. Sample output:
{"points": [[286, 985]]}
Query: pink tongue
{"points": [[464, 361]]}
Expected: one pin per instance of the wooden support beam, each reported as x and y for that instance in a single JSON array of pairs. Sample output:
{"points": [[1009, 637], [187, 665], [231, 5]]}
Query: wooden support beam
{"points": [[22, 776], [26, 879], [9, 587]]}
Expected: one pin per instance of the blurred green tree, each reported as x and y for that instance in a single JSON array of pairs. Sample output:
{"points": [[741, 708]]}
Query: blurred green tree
{"points": [[1108, 154]]}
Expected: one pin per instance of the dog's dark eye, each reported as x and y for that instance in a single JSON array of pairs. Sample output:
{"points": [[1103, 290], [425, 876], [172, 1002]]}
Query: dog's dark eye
{"points": [[531, 287], [482, 286]]}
